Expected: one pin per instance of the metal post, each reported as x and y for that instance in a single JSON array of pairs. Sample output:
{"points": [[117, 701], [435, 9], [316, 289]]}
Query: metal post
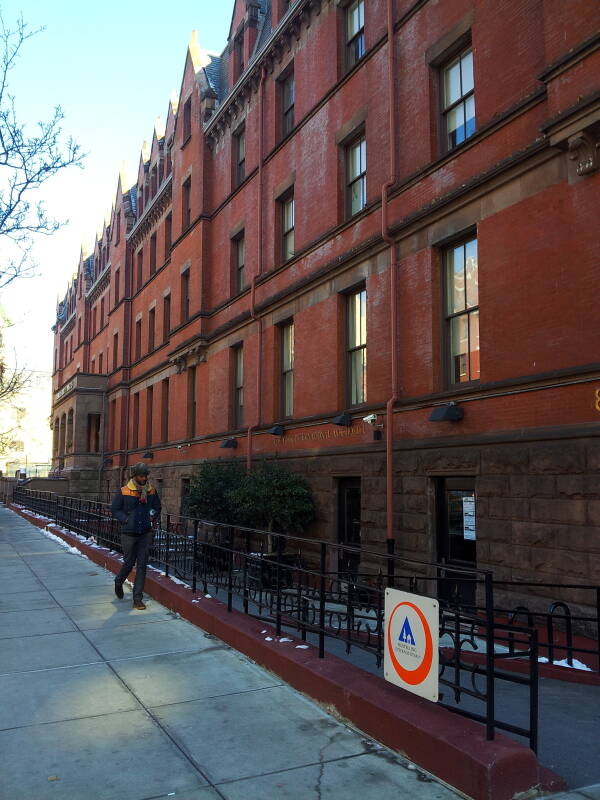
{"points": [[304, 617], [245, 576], [598, 622], [533, 692], [391, 562], [550, 635], [230, 579], [278, 579], [489, 613], [322, 566], [167, 548], [194, 556]]}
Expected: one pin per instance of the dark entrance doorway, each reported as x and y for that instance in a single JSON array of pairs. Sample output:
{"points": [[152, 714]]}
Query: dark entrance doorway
{"points": [[456, 538], [349, 512]]}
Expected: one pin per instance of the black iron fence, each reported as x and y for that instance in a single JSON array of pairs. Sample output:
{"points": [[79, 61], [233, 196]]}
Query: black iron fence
{"points": [[318, 590]]}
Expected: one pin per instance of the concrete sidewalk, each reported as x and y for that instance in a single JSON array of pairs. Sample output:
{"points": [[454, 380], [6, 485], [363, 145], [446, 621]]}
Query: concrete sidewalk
{"points": [[104, 702], [588, 793]]}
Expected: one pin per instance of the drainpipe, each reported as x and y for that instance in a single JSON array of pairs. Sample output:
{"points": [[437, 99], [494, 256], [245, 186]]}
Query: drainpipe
{"points": [[253, 313], [389, 430]]}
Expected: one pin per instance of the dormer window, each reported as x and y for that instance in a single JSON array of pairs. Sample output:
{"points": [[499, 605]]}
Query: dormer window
{"points": [[187, 119], [238, 50]]}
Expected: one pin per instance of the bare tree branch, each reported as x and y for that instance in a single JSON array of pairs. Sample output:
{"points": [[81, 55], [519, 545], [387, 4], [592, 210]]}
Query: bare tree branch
{"points": [[26, 162]]}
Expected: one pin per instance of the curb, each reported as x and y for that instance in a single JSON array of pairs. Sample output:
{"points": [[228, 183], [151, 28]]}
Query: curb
{"points": [[451, 747]]}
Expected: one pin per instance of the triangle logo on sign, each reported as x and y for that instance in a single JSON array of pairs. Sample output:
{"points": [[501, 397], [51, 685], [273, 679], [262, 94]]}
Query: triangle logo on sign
{"points": [[406, 634]]}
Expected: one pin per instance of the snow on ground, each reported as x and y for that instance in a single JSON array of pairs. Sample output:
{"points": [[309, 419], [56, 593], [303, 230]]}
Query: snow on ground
{"points": [[564, 663]]}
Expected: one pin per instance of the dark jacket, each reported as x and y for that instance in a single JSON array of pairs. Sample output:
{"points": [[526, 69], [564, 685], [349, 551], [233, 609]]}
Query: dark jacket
{"points": [[131, 512]]}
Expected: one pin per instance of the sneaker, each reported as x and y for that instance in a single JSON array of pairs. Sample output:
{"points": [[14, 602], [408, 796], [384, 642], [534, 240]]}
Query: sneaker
{"points": [[119, 590], [139, 605]]}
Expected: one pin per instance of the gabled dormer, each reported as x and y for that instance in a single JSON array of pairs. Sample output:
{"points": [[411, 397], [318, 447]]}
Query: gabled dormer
{"points": [[157, 161], [142, 183], [170, 133], [247, 21]]}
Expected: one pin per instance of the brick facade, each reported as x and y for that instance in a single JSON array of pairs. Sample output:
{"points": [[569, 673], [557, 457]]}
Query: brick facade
{"points": [[525, 184]]}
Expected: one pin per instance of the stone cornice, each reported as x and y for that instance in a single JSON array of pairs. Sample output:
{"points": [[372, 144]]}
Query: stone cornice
{"points": [[152, 213], [280, 41], [100, 285]]}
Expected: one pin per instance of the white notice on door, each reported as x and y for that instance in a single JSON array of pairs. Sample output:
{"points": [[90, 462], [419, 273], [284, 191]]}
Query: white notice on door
{"points": [[469, 517]]}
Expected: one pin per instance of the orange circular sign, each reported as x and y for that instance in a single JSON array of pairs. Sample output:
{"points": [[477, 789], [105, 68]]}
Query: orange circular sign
{"points": [[418, 675]]}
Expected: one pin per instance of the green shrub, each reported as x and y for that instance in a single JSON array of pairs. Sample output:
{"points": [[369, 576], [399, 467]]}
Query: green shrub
{"points": [[268, 498], [209, 497]]}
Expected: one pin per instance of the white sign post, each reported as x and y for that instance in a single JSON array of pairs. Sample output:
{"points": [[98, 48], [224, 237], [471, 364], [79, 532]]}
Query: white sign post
{"points": [[411, 656]]}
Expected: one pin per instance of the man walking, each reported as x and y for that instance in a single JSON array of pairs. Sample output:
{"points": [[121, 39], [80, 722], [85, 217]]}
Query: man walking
{"points": [[134, 506]]}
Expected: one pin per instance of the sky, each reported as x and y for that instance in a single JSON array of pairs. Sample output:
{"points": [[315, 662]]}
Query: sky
{"points": [[111, 66]]}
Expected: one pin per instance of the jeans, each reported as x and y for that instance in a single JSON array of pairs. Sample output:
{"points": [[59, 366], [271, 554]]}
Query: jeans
{"points": [[135, 551]]}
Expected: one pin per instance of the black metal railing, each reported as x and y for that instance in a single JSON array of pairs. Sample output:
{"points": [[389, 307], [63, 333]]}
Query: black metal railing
{"points": [[316, 589]]}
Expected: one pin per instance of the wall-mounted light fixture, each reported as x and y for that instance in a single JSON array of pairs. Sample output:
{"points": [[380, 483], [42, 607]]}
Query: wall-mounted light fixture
{"points": [[148, 454], [229, 443], [276, 430], [345, 420], [447, 413]]}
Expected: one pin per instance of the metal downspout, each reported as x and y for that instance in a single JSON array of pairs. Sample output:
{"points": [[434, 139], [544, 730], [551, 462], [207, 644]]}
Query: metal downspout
{"points": [[253, 314], [389, 424]]}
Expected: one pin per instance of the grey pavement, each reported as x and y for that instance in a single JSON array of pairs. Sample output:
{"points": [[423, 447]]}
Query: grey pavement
{"points": [[105, 702]]}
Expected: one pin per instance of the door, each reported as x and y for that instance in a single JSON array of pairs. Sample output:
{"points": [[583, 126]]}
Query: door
{"points": [[456, 538], [349, 526]]}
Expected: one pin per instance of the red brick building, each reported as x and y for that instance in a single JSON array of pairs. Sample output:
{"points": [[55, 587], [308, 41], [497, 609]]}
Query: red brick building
{"points": [[371, 209]]}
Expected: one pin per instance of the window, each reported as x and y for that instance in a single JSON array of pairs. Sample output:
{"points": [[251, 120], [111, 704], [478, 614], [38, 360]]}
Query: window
{"points": [[138, 340], [357, 347], [356, 175], [164, 411], [191, 403], [79, 331], [117, 230], [239, 256], [239, 155], [288, 94], [168, 235], [93, 433], [136, 420], [238, 386], [117, 285], [355, 32], [101, 313], [140, 269], [187, 119], [287, 227], [149, 414], [153, 254], [185, 295], [115, 351], [166, 317], [238, 46], [100, 363], [114, 444], [458, 101], [186, 211], [462, 312], [94, 320], [287, 370], [151, 329]]}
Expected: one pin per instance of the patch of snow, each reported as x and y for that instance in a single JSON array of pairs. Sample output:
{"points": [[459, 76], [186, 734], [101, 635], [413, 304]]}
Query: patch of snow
{"points": [[263, 631], [564, 663], [208, 595], [268, 638], [285, 639], [301, 647]]}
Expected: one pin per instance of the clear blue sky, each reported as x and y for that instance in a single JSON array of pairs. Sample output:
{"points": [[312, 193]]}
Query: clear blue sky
{"points": [[111, 66]]}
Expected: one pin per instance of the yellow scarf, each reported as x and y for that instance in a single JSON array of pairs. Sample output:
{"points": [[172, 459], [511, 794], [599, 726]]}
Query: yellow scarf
{"points": [[143, 491]]}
